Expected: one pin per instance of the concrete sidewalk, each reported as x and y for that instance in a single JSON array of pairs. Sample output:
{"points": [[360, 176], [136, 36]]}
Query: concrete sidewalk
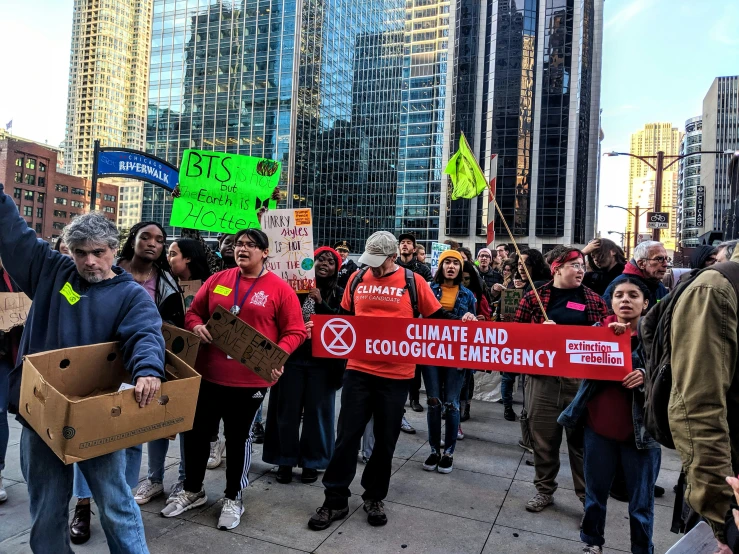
{"points": [[478, 508]]}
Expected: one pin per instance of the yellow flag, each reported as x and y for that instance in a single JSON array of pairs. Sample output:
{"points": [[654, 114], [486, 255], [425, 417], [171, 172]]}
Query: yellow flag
{"points": [[467, 178]]}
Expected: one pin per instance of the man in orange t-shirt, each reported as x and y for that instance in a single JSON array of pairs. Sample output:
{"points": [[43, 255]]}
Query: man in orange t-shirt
{"points": [[373, 388]]}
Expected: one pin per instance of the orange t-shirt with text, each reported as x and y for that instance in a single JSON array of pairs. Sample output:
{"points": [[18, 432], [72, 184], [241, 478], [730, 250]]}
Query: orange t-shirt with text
{"points": [[387, 297]]}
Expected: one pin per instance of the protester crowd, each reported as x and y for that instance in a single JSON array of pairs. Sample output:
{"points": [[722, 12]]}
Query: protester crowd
{"points": [[129, 290]]}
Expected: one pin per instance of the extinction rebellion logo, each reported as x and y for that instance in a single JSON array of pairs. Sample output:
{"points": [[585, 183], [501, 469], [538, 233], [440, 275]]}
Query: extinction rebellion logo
{"points": [[338, 337], [593, 352]]}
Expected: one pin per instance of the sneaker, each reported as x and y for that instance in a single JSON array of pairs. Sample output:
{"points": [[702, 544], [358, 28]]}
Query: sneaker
{"points": [[324, 516], [309, 475], [431, 462], [284, 475], [446, 464], [525, 446], [3, 492], [258, 431], [375, 512], [407, 427], [230, 514], [365, 459], [147, 491], [183, 501], [416, 406], [176, 489], [591, 549], [539, 502], [460, 433], [216, 454], [509, 414]]}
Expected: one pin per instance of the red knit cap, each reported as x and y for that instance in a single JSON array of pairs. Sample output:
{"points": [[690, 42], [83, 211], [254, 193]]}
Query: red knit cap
{"points": [[323, 249]]}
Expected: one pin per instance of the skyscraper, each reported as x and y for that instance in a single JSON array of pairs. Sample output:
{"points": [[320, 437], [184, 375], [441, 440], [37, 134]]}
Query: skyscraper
{"points": [[691, 194], [108, 77], [647, 142]]}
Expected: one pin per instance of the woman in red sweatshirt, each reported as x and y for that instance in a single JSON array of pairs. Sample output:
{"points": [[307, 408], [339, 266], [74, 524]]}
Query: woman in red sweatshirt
{"points": [[229, 390]]}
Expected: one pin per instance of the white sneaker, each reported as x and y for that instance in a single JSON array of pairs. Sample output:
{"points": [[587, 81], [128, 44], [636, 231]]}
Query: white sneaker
{"points": [[216, 454], [230, 514], [184, 501], [176, 489], [147, 491], [3, 493]]}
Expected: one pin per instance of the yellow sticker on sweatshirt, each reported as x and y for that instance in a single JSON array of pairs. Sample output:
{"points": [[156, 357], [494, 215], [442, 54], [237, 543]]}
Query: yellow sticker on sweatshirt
{"points": [[68, 293], [223, 291]]}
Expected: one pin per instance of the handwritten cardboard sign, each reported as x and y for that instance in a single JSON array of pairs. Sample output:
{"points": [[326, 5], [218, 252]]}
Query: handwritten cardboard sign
{"points": [[290, 235], [14, 307], [181, 343], [189, 290], [244, 343], [436, 249], [509, 301], [222, 192]]}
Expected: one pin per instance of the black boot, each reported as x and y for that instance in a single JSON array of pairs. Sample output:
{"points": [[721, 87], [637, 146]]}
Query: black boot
{"points": [[309, 475], [466, 412], [285, 475], [79, 529]]}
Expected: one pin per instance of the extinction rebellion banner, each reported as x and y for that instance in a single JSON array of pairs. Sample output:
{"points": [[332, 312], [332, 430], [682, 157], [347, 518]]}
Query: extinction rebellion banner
{"points": [[557, 350]]}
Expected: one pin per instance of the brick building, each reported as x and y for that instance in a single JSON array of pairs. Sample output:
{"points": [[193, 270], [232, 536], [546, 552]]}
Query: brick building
{"points": [[47, 198]]}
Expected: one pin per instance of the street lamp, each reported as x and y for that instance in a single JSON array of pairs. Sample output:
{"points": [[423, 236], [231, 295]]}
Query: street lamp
{"points": [[659, 169], [635, 214]]}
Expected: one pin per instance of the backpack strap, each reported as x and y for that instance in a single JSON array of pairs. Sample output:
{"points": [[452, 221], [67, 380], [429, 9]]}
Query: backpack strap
{"points": [[410, 284], [354, 284]]}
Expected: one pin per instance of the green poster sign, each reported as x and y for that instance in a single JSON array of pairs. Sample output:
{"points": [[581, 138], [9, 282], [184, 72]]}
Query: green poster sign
{"points": [[222, 192]]}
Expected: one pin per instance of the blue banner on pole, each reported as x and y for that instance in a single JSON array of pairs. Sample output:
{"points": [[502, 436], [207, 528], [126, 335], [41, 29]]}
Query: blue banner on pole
{"points": [[137, 165]]}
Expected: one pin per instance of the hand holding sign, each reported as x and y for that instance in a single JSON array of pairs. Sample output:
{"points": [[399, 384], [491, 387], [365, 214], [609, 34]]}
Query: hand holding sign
{"points": [[223, 192]]}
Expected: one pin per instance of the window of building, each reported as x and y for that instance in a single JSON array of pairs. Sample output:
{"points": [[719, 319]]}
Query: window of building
{"points": [[97, 195], [78, 192], [30, 179], [19, 162], [62, 188], [58, 225], [72, 215], [62, 201], [41, 181], [18, 177], [41, 197], [28, 195], [38, 229], [39, 213], [60, 213], [16, 193], [109, 209], [76, 204], [31, 163], [109, 198], [28, 210], [41, 167]]}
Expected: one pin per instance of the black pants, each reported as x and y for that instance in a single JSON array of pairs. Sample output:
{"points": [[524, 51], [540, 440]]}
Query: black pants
{"points": [[468, 387], [414, 389], [363, 397], [237, 406]]}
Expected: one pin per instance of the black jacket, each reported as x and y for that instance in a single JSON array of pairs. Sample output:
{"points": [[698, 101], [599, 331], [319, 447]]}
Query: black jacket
{"points": [[599, 279], [492, 277], [416, 267], [346, 271]]}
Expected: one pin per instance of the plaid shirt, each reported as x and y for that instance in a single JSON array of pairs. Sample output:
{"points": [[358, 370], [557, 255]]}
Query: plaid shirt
{"points": [[528, 310]]}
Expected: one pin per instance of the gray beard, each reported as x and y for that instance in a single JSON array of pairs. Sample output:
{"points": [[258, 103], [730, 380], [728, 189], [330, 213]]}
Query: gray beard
{"points": [[93, 279]]}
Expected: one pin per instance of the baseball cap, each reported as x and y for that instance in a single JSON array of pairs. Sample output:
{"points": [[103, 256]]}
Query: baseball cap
{"points": [[379, 247], [407, 236]]}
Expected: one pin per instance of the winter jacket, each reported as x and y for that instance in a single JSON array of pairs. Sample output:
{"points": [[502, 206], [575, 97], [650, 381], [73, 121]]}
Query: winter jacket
{"points": [[656, 289], [346, 271], [416, 267], [575, 414], [704, 405], [599, 279], [464, 303], [528, 310]]}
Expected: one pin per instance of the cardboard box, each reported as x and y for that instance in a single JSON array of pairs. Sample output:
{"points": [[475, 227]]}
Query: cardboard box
{"points": [[71, 399], [244, 343], [181, 343]]}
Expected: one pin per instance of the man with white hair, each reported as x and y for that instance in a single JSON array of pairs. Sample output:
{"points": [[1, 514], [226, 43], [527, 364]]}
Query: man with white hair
{"points": [[79, 301], [649, 264]]}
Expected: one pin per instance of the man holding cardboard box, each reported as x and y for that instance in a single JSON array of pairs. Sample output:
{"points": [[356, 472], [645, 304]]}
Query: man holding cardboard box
{"points": [[80, 301]]}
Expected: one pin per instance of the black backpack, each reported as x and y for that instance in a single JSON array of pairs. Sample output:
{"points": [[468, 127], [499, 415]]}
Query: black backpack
{"points": [[655, 332], [410, 286]]}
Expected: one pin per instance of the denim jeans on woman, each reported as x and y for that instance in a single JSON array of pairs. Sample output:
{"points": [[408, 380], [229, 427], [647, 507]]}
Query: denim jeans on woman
{"points": [[50, 490], [450, 379], [132, 458], [5, 367], [157, 451]]}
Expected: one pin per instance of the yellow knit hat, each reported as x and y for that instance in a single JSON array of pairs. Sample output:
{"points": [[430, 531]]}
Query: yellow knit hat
{"points": [[450, 254]]}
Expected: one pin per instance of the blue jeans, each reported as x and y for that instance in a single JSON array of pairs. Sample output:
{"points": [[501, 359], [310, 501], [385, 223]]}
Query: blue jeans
{"points": [[132, 460], [50, 490], [5, 367], [641, 467], [157, 451], [451, 379]]}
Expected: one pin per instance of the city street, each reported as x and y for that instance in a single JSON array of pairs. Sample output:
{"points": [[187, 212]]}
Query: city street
{"points": [[478, 508]]}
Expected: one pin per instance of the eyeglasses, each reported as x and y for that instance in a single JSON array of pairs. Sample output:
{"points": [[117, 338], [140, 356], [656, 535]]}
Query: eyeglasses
{"points": [[661, 259], [576, 267], [481, 256], [248, 244]]}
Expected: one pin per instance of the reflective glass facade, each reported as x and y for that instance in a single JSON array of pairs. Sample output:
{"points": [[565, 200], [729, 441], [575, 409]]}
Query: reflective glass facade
{"points": [[691, 196]]}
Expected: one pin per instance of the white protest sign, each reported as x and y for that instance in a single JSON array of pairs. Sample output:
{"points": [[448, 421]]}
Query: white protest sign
{"points": [[14, 307], [290, 235], [436, 249]]}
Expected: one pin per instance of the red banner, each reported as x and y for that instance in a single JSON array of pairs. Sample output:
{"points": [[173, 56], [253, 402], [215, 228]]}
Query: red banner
{"points": [[559, 350]]}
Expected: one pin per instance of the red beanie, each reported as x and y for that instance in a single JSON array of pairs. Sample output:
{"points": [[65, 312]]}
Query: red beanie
{"points": [[323, 249]]}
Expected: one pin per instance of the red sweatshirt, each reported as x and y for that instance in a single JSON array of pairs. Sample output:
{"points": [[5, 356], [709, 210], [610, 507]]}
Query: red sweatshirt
{"points": [[272, 308]]}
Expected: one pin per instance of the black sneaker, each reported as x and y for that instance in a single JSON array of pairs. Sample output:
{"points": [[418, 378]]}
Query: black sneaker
{"points": [[446, 464], [309, 475], [258, 430], [431, 462], [509, 414], [324, 516], [375, 512], [284, 475], [416, 406]]}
